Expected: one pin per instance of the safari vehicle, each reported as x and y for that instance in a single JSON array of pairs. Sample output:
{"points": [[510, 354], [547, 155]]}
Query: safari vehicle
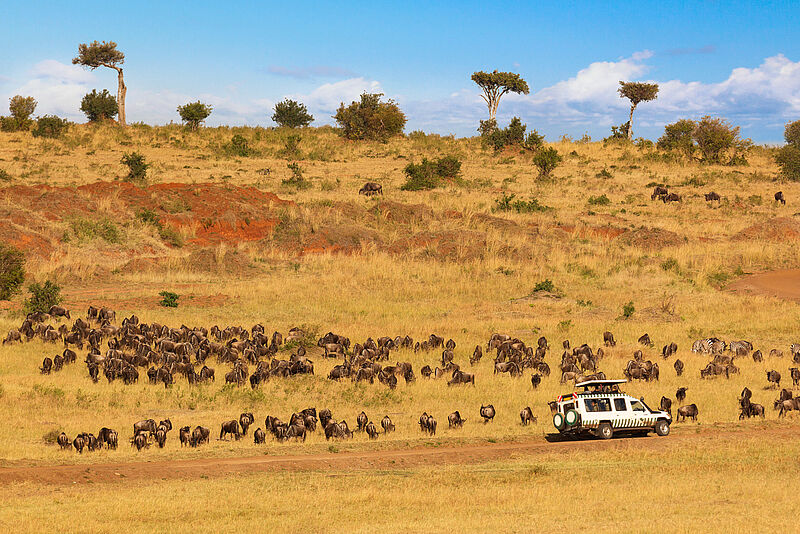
{"points": [[602, 410]]}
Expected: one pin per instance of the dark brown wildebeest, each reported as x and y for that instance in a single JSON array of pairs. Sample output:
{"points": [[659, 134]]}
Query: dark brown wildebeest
{"points": [[230, 427], [680, 394], [371, 188], [488, 413], [669, 350], [774, 377], [108, 437], [166, 423], [784, 406], [780, 198], [460, 377], [536, 379], [678, 365], [795, 375], [426, 371], [758, 356], [553, 406], [371, 431], [361, 421], [690, 411], [140, 441], [63, 441], [200, 435], [608, 339], [145, 425], [387, 424], [47, 366], [712, 196], [79, 443], [259, 436], [296, 431], [659, 191], [161, 437], [645, 340], [526, 415], [58, 311], [324, 417], [58, 362], [454, 420], [477, 354], [666, 405], [185, 434], [245, 420], [775, 353], [672, 197]]}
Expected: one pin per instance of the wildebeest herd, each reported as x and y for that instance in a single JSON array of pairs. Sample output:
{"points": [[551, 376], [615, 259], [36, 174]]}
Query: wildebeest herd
{"points": [[163, 354], [663, 194]]}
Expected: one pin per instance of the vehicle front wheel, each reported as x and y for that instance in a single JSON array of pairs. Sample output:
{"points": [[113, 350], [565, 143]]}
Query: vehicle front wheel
{"points": [[605, 431], [662, 428]]}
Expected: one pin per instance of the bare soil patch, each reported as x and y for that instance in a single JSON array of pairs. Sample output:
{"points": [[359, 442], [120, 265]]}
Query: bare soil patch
{"points": [[775, 229], [650, 238], [783, 284]]}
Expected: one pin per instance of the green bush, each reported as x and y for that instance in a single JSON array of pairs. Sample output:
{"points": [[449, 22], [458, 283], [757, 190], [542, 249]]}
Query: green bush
{"points": [[43, 297], [510, 203], [788, 157], [430, 174], [546, 160], [194, 113], [12, 271], [87, 230], [21, 108], [370, 118], [50, 126], [291, 114], [238, 146], [628, 310], [792, 133], [169, 299], [137, 168], [99, 106], [678, 137], [291, 147], [167, 233], [296, 180], [4, 176], [602, 200], [545, 285], [716, 137], [511, 135]]}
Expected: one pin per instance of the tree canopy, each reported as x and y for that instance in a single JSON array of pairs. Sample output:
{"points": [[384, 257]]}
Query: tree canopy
{"points": [[637, 92], [99, 54], [194, 113], [495, 84], [292, 114], [370, 118]]}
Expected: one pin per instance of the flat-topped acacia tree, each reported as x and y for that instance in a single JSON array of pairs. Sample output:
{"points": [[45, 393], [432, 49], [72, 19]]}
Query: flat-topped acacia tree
{"points": [[495, 84], [637, 92], [105, 54]]}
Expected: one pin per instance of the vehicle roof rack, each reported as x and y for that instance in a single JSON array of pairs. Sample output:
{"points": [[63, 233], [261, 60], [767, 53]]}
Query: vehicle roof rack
{"points": [[590, 383]]}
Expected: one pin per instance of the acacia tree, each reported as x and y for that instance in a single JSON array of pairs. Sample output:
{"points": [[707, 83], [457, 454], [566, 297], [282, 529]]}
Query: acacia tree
{"points": [[105, 54], [496, 84], [637, 92]]}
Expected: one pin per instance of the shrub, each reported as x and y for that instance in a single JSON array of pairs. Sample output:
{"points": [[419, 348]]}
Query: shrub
{"points": [[511, 203], [370, 118], [167, 233], [512, 135], [602, 200], [12, 271], [430, 174], [169, 299], [546, 160], [43, 297], [291, 147], [238, 146], [628, 310], [545, 285], [792, 133], [619, 133], [87, 229], [291, 114], [194, 113], [715, 137], [50, 126], [605, 173], [137, 168], [678, 137], [4, 176], [788, 157], [99, 106], [296, 180], [21, 108]]}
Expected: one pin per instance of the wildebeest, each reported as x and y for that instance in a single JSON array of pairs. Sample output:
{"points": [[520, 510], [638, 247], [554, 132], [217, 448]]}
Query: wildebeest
{"points": [[488, 413], [63, 441], [659, 191], [296, 431], [645, 340], [678, 365], [245, 420], [185, 435], [690, 411], [608, 339], [427, 423], [145, 425], [371, 431], [780, 198], [477, 354], [259, 436], [140, 441], [671, 197], [230, 427], [526, 415], [666, 405], [460, 377], [361, 421], [795, 375], [58, 311], [774, 377], [758, 356], [712, 196], [454, 420], [669, 350], [536, 379], [680, 394], [79, 443], [387, 424], [200, 435], [108, 437], [371, 188], [161, 437]]}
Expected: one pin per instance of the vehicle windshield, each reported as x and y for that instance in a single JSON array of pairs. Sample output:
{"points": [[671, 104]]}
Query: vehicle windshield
{"points": [[639, 406]]}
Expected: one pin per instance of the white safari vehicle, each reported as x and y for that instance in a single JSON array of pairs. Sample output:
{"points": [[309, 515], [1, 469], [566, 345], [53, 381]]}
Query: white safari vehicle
{"points": [[602, 410]]}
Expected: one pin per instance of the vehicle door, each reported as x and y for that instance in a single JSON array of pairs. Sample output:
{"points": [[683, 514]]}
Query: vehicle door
{"points": [[621, 415], [640, 413]]}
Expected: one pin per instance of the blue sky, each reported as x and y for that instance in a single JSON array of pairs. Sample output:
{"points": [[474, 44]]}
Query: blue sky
{"points": [[739, 60]]}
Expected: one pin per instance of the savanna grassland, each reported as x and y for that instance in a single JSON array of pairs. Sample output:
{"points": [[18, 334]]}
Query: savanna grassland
{"points": [[242, 243]]}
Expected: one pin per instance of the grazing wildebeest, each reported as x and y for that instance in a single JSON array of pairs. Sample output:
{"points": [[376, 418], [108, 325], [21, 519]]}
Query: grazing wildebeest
{"points": [[259, 436], [645, 340], [666, 405], [783, 405], [58, 311], [488, 413], [140, 441], [712, 196], [245, 420], [526, 415], [536, 379], [200, 435], [296, 431], [680, 394], [361, 421], [758, 356], [688, 411], [371, 431], [672, 197], [460, 377], [608, 339], [79, 443], [659, 191], [47, 366], [387, 424], [108, 437], [185, 435], [669, 350], [230, 427], [795, 375], [774, 377], [454, 420], [161, 437], [477, 354], [370, 188], [678, 365], [780, 198], [63, 441], [145, 425]]}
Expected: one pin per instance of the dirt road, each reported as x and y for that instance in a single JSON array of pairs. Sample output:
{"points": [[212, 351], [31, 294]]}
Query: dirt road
{"points": [[783, 284], [691, 436]]}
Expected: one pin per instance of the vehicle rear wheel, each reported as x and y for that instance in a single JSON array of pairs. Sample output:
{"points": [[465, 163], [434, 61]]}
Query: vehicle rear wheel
{"points": [[605, 431], [662, 428], [558, 421], [571, 418]]}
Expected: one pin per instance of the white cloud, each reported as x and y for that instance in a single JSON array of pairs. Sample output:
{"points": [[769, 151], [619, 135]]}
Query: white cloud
{"points": [[62, 72]]}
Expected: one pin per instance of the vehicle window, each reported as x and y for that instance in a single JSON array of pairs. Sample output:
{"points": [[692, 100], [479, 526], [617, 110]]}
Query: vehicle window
{"points": [[619, 405], [637, 406], [567, 407], [597, 405]]}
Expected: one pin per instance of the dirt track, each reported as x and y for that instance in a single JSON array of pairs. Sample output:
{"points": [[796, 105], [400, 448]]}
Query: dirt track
{"points": [[782, 284], [401, 458]]}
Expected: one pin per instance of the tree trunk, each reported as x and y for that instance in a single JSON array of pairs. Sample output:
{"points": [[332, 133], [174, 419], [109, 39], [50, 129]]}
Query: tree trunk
{"points": [[630, 122], [121, 90]]}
